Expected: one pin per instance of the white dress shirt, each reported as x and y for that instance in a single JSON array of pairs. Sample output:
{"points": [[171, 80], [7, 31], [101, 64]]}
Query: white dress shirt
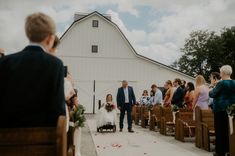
{"points": [[126, 93], [157, 97]]}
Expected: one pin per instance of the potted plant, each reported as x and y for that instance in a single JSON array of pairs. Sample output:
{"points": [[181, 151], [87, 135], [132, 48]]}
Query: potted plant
{"points": [[78, 121]]}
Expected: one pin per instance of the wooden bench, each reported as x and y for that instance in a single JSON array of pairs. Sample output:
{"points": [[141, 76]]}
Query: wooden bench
{"points": [[35, 141], [136, 113], [144, 116], [232, 140], [184, 125], [166, 120], [133, 111], [155, 117], [204, 128]]}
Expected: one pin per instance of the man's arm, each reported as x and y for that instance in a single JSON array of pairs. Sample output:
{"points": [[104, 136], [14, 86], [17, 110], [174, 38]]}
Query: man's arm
{"points": [[214, 92], [58, 97], [175, 97], [133, 96]]}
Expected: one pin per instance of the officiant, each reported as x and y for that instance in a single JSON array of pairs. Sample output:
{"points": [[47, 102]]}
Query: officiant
{"points": [[125, 100]]}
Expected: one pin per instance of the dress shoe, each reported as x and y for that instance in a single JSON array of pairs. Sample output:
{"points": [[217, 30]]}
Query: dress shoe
{"points": [[131, 131], [120, 130]]}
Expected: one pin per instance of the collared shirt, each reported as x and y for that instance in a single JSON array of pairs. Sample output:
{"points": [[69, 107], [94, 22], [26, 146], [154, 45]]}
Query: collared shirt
{"points": [[158, 97], [37, 45], [126, 93]]}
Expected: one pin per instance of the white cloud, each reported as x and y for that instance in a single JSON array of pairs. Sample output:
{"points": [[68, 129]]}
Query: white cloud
{"points": [[168, 33]]}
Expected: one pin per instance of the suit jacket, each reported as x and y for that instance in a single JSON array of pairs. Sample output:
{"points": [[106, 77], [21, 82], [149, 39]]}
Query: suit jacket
{"points": [[178, 97], [121, 96], [31, 88]]}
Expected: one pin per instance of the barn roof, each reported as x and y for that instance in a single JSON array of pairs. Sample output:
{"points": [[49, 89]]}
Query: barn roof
{"points": [[138, 55]]}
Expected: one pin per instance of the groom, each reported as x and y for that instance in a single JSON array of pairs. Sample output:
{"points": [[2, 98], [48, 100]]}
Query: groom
{"points": [[125, 100]]}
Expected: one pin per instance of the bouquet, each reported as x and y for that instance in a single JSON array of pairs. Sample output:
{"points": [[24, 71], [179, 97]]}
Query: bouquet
{"points": [[78, 116], [150, 107], [174, 108], [109, 107]]}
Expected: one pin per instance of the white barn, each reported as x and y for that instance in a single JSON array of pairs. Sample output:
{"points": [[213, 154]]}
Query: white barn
{"points": [[99, 57]]}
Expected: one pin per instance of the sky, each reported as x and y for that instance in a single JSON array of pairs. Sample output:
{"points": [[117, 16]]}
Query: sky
{"points": [[156, 28]]}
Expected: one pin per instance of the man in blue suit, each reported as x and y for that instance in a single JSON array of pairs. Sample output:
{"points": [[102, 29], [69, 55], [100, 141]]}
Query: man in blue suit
{"points": [[125, 100], [178, 96]]}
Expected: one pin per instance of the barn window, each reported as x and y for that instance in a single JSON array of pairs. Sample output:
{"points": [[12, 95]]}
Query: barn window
{"points": [[94, 48], [95, 23]]}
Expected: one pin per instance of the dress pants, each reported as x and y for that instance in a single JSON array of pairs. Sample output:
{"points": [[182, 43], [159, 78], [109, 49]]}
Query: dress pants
{"points": [[125, 108], [221, 133]]}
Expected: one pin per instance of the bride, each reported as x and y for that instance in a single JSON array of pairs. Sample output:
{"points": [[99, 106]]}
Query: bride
{"points": [[107, 114]]}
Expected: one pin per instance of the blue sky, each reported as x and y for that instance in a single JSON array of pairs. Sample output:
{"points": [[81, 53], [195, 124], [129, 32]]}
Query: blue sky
{"points": [[135, 22], [156, 28]]}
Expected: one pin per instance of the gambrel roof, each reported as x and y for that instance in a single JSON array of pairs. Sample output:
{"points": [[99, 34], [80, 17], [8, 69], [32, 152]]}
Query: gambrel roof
{"points": [[124, 37]]}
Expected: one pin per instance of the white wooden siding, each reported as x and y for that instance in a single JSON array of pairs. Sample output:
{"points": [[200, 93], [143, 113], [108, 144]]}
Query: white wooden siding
{"points": [[115, 61]]}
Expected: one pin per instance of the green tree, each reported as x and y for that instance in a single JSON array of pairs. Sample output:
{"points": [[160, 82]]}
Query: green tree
{"points": [[204, 52], [228, 39]]}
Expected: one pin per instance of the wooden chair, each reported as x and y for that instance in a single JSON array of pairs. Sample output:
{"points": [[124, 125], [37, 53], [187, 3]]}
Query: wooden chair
{"points": [[184, 125], [204, 128], [133, 112], [144, 116], [232, 140], [155, 117], [137, 114], [166, 120], [35, 141]]}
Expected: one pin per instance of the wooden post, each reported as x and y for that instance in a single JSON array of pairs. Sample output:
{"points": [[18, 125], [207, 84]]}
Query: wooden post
{"points": [[94, 97], [99, 104]]}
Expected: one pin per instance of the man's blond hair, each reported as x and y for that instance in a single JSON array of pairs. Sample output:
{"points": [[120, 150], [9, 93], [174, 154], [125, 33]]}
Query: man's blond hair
{"points": [[38, 26]]}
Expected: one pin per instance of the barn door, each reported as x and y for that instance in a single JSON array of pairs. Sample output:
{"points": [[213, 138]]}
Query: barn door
{"points": [[102, 88], [90, 92], [85, 94]]}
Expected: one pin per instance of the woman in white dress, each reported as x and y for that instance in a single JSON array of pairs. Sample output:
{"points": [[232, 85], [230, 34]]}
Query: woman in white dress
{"points": [[107, 114]]}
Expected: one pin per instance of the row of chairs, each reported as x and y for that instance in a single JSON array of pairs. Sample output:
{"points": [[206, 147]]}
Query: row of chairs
{"points": [[180, 124], [37, 141]]}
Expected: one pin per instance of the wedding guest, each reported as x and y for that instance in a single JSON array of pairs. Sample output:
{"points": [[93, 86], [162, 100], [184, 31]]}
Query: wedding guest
{"points": [[70, 93], [144, 100], [188, 98], [2, 52], [125, 100], [35, 77], [152, 94], [169, 93], [201, 96], [183, 86], [214, 79], [178, 96], [157, 98], [224, 96], [55, 45]]}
